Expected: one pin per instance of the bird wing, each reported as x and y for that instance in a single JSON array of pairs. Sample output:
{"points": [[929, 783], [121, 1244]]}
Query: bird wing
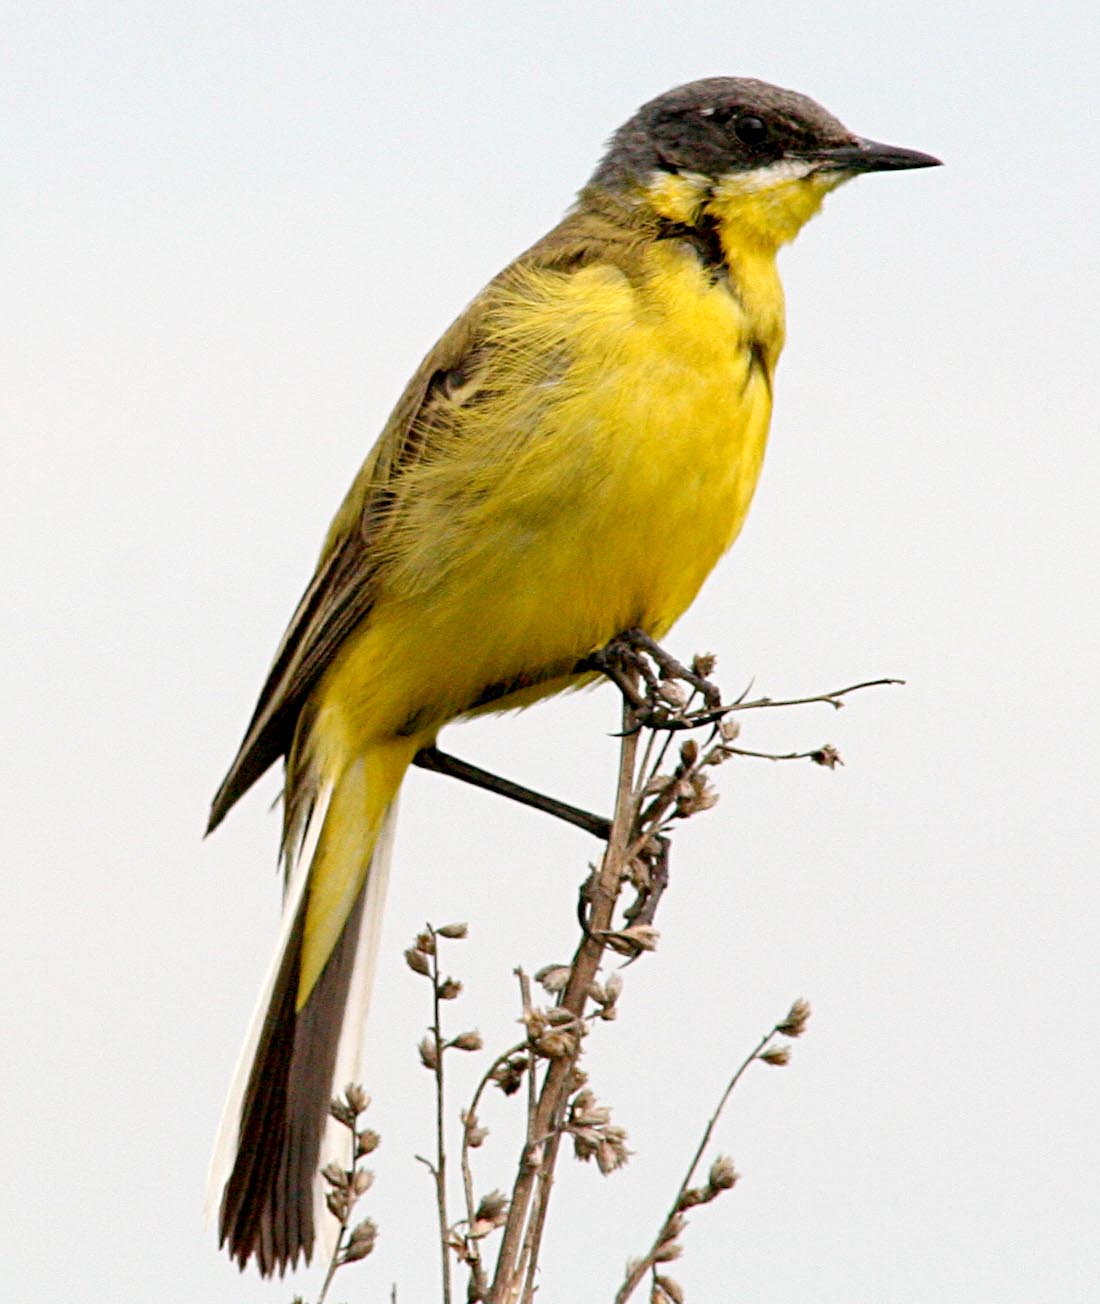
{"points": [[343, 588]]}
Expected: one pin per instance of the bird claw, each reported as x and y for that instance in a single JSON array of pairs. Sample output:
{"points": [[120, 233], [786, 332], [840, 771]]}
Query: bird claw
{"points": [[633, 656]]}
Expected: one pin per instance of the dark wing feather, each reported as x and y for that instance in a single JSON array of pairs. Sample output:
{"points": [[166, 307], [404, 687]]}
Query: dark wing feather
{"points": [[341, 592], [338, 597]]}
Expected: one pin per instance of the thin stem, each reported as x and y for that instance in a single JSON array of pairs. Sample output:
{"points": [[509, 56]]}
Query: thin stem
{"points": [[531, 1075], [712, 1122], [440, 1169], [775, 756], [537, 1224], [830, 699], [519, 1249], [338, 1248], [334, 1262], [472, 1250], [467, 1169], [639, 1269]]}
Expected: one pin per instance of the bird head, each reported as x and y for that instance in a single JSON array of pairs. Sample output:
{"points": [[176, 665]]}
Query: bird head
{"points": [[740, 151]]}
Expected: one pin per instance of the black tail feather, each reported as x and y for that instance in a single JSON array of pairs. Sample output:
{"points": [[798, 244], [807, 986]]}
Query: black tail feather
{"points": [[267, 1203]]}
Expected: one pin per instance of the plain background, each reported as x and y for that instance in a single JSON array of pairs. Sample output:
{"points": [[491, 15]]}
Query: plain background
{"points": [[229, 231]]}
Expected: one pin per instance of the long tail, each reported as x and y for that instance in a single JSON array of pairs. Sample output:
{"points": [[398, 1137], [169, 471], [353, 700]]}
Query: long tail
{"points": [[304, 1041]]}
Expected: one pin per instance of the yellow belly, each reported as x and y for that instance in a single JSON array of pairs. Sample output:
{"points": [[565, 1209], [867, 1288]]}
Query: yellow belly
{"points": [[589, 494]]}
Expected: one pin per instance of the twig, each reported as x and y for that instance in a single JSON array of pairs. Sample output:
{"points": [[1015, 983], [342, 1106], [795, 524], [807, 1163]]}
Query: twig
{"points": [[682, 721], [532, 1077], [348, 1184], [723, 1174], [440, 1169], [518, 1249], [830, 699], [423, 959]]}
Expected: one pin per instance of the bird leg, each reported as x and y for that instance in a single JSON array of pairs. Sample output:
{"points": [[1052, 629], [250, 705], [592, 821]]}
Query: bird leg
{"points": [[431, 758]]}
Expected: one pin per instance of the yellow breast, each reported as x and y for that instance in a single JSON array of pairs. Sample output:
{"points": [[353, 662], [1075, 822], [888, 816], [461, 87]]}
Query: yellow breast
{"points": [[591, 488]]}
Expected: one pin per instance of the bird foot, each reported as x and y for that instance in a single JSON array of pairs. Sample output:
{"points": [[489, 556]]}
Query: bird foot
{"points": [[632, 657]]}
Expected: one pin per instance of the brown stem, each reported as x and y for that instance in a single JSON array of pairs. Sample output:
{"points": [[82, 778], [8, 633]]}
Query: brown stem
{"points": [[440, 1168], [518, 1249], [639, 1269]]}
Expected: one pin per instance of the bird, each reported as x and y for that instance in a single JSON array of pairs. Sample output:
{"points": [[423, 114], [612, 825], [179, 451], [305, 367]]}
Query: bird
{"points": [[568, 462]]}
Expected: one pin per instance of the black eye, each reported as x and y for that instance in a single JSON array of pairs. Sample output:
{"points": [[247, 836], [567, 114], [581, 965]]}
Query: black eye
{"points": [[751, 129]]}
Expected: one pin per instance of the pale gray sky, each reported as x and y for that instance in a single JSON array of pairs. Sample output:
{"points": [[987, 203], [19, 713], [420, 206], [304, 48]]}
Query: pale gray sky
{"points": [[229, 231]]}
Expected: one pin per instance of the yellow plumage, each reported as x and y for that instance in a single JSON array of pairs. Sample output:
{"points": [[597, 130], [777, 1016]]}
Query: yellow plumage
{"points": [[615, 478], [570, 461]]}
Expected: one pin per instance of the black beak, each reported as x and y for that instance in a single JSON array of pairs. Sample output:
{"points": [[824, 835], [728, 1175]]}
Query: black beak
{"points": [[872, 156]]}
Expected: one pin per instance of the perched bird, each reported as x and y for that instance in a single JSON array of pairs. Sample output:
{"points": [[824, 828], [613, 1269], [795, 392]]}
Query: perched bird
{"points": [[568, 462]]}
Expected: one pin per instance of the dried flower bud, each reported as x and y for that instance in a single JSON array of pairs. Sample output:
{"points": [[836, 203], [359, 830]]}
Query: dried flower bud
{"points": [[667, 1252], [425, 942], [794, 1025], [493, 1208], [534, 1021], [356, 1097], [778, 1055], [429, 1056], [691, 1197], [576, 1079], [417, 961], [586, 1113], [729, 729], [695, 794], [827, 756], [673, 693], [614, 988], [335, 1175], [508, 1076], [612, 1152], [361, 1241], [362, 1180], [703, 663], [455, 931], [671, 1291], [722, 1174], [638, 937], [338, 1204], [449, 988], [340, 1112], [559, 1044], [369, 1141], [553, 978], [657, 784], [467, 1041], [689, 753], [585, 1141]]}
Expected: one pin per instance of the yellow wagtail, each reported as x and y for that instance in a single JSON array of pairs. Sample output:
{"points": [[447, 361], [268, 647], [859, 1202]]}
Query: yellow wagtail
{"points": [[612, 387]]}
